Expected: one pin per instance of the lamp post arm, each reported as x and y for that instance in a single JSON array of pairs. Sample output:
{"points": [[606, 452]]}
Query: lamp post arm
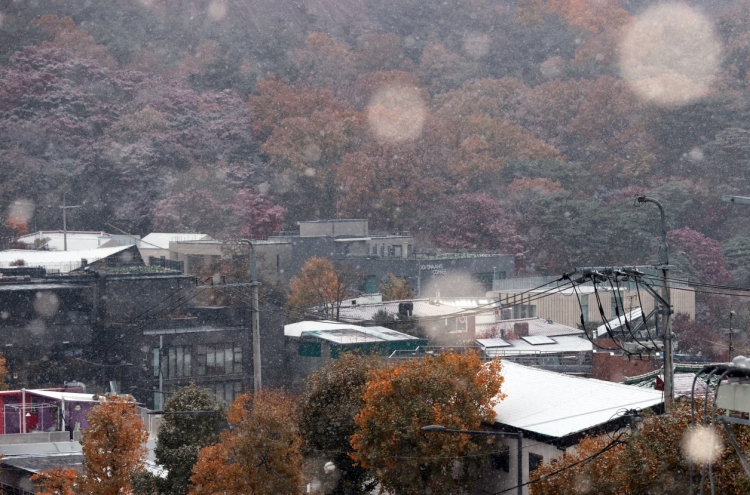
{"points": [[663, 249]]}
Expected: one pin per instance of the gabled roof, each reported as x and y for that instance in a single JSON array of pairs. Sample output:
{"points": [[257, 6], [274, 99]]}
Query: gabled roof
{"points": [[64, 261], [557, 405], [161, 240]]}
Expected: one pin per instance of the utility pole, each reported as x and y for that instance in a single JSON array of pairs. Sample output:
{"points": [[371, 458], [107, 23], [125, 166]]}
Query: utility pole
{"points": [[666, 310], [256, 319], [731, 315], [65, 221]]}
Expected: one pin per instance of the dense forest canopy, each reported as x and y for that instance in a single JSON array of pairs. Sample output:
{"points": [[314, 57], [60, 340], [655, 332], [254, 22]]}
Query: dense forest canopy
{"points": [[534, 121]]}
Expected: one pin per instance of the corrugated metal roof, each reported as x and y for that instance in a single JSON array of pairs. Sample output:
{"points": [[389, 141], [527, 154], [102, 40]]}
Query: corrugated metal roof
{"points": [[558, 405]]}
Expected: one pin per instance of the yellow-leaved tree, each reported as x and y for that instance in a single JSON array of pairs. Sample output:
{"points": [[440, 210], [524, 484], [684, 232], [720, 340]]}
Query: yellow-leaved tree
{"points": [[113, 447], [322, 286], [259, 455], [455, 390]]}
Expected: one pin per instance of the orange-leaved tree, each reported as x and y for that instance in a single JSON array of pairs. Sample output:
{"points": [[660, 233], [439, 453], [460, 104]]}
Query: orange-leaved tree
{"points": [[259, 455], [56, 481], [455, 390], [113, 447], [320, 284]]}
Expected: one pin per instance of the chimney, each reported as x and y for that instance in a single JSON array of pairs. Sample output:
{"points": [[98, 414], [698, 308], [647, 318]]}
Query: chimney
{"points": [[521, 329]]}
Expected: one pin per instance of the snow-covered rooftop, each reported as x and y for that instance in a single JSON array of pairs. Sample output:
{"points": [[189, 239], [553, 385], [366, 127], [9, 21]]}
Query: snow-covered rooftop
{"points": [[537, 326], [501, 347], [422, 308], [64, 261], [342, 333], [161, 240], [557, 405]]}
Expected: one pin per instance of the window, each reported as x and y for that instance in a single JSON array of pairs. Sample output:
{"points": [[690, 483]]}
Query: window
{"points": [[225, 392], [518, 311], [501, 459], [397, 250], [409, 250], [535, 461], [200, 360], [223, 359], [368, 284], [178, 362]]}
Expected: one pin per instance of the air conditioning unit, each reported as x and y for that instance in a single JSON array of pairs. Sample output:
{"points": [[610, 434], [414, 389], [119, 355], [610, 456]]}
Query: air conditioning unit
{"points": [[734, 396]]}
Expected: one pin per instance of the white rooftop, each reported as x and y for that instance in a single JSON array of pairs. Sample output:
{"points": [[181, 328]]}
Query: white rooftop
{"points": [[568, 343], [558, 405], [161, 240], [537, 326], [55, 239], [342, 333], [422, 308], [64, 261]]}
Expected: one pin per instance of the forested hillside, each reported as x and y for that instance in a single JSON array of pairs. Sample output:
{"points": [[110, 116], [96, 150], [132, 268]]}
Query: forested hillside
{"points": [[448, 119]]}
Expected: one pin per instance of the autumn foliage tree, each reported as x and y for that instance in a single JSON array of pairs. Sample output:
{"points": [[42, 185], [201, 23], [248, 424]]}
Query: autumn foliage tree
{"points": [[703, 254], [56, 481], [649, 460], [320, 285], [113, 447], [333, 396], [455, 390], [396, 289], [259, 455]]}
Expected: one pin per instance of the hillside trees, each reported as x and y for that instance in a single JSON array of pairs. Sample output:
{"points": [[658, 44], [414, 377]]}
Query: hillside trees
{"points": [[454, 390], [478, 222]]}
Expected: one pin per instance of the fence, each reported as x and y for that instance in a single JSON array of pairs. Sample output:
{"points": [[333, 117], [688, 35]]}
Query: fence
{"points": [[165, 263]]}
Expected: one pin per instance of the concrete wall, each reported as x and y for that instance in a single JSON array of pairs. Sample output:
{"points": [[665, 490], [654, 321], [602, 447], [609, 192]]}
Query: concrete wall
{"points": [[334, 228]]}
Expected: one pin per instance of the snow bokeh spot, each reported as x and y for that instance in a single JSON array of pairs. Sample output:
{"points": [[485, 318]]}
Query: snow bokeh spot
{"points": [[670, 55], [396, 113], [701, 444], [476, 45], [217, 10], [46, 304]]}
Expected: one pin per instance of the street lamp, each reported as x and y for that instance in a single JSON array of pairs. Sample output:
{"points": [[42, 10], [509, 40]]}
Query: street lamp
{"points": [[500, 434], [667, 306]]}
